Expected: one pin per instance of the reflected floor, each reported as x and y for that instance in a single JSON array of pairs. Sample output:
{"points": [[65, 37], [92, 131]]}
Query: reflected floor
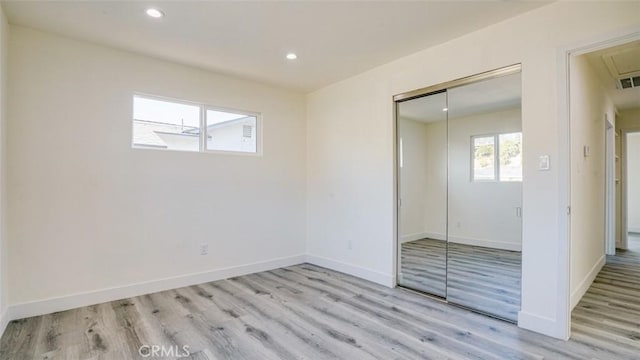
{"points": [[424, 266], [485, 279]]}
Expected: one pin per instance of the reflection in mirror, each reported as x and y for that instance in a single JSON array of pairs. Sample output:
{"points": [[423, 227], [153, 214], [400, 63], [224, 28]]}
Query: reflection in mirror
{"points": [[422, 172], [485, 196]]}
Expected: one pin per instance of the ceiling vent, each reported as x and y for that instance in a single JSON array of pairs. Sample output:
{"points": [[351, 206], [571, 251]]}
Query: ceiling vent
{"points": [[629, 82], [624, 65]]}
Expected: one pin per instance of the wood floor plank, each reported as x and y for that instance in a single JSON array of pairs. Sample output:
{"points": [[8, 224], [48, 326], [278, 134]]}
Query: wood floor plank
{"points": [[308, 312], [608, 315]]}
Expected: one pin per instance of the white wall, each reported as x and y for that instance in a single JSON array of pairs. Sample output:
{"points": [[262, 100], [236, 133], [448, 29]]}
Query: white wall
{"points": [[350, 146], [435, 217], [627, 121], [4, 258], [633, 179], [589, 104], [423, 180], [89, 213], [413, 179], [482, 213]]}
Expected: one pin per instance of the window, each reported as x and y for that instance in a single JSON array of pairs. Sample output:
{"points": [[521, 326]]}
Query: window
{"points": [[484, 164], [231, 131], [175, 125], [510, 152], [497, 156]]}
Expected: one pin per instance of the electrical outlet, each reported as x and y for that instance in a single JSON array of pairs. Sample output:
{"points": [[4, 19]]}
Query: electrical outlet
{"points": [[349, 244], [204, 249]]}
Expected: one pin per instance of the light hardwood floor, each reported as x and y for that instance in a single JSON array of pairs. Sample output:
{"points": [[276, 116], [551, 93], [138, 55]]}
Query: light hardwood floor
{"points": [[299, 312], [609, 313]]}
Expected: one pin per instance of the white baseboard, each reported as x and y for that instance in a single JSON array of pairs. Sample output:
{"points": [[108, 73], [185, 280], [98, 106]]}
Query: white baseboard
{"points": [[584, 285], [412, 237], [357, 271], [47, 306], [424, 235], [486, 243], [4, 321], [541, 324], [633, 229]]}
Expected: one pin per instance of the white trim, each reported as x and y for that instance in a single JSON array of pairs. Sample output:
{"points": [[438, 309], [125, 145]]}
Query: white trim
{"points": [[624, 186], [4, 321], [634, 230], [47, 306], [397, 153], [563, 286], [540, 324], [357, 271], [486, 243], [424, 235], [624, 236], [610, 187], [579, 292]]}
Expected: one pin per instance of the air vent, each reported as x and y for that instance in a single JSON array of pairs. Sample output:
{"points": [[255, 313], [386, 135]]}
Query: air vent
{"points": [[629, 82], [247, 131]]}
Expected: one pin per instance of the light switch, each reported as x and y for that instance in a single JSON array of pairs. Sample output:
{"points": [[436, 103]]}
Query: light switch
{"points": [[587, 150], [543, 163]]}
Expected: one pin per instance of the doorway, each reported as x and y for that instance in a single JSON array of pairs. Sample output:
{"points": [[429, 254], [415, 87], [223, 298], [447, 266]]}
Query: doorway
{"points": [[604, 84]]}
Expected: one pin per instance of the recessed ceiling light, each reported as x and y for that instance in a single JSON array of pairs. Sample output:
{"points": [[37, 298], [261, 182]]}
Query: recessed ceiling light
{"points": [[445, 109], [292, 56], [155, 13]]}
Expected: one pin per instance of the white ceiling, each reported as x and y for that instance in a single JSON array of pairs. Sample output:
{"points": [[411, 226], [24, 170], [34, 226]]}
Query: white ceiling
{"points": [[477, 98], [624, 61], [426, 109], [333, 39]]}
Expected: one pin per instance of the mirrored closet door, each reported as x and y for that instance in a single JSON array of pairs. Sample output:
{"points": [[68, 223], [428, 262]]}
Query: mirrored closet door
{"points": [[459, 191], [422, 186]]}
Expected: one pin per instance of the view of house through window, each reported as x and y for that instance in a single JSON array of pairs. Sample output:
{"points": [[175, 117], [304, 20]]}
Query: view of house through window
{"points": [[484, 158], [510, 150], [175, 125], [165, 125], [229, 131], [497, 157]]}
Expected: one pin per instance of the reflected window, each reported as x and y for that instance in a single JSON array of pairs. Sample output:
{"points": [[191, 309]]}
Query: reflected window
{"points": [[510, 149], [497, 157], [484, 151]]}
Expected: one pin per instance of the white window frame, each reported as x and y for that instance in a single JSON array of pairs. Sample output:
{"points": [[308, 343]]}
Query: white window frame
{"points": [[202, 148], [496, 157]]}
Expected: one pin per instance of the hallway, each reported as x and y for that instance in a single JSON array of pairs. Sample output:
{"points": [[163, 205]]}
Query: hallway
{"points": [[609, 313]]}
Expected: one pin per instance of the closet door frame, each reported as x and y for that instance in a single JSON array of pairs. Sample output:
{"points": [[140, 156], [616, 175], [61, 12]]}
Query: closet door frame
{"points": [[413, 94]]}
